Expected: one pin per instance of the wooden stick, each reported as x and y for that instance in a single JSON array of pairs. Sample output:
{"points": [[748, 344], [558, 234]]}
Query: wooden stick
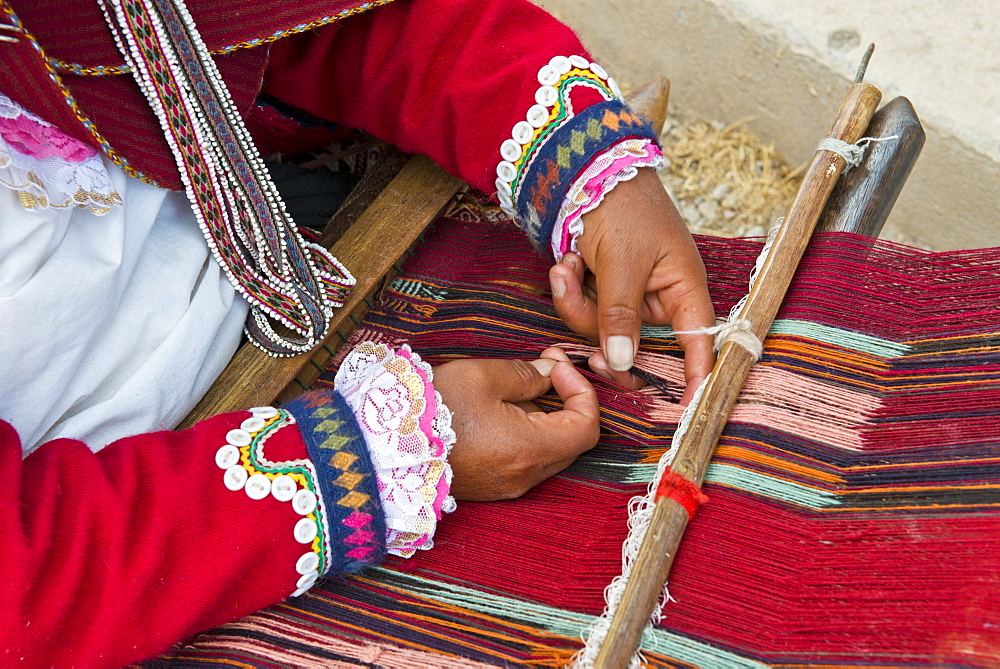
{"points": [[863, 197], [669, 519]]}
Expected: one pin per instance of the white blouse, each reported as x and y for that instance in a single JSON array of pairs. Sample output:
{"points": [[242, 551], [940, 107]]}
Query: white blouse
{"points": [[114, 320]]}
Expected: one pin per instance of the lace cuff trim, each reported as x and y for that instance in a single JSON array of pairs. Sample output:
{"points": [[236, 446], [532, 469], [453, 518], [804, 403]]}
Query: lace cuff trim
{"points": [[409, 435], [48, 169], [617, 164]]}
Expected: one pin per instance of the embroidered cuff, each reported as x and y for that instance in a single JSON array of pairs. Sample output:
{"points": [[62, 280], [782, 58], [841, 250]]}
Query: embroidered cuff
{"points": [[555, 143], [409, 435], [247, 469], [49, 169], [617, 164], [346, 478]]}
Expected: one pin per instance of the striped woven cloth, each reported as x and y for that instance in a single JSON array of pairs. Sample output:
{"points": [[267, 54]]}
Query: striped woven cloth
{"points": [[854, 501]]}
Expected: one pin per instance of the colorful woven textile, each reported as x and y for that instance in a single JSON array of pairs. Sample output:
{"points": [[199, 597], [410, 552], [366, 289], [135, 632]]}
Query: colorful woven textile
{"points": [[854, 501]]}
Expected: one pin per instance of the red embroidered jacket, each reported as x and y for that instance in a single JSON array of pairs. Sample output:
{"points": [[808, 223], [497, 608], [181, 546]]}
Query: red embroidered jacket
{"points": [[113, 557], [499, 93]]}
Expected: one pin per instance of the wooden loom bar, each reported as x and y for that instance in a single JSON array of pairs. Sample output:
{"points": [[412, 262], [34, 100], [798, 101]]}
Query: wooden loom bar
{"points": [[862, 199], [669, 519]]}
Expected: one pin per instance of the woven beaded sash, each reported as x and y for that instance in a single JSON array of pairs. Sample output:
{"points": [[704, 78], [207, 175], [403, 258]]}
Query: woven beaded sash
{"points": [[284, 278]]}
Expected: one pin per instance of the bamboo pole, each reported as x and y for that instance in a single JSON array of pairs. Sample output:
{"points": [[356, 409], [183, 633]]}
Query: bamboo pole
{"points": [[669, 519]]}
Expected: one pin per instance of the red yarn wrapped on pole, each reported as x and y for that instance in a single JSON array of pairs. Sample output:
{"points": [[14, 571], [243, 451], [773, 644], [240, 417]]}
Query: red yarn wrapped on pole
{"points": [[681, 490]]}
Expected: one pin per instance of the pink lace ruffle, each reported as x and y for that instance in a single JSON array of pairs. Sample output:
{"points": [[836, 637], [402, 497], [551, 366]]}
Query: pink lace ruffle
{"points": [[47, 168], [617, 164], [32, 137], [409, 435]]}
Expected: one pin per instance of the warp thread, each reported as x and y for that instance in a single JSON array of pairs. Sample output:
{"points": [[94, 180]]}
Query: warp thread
{"points": [[674, 486], [852, 154], [832, 396], [640, 513]]}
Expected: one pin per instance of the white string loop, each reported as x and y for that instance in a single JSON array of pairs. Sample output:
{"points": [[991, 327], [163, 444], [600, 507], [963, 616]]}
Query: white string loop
{"points": [[852, 154]]}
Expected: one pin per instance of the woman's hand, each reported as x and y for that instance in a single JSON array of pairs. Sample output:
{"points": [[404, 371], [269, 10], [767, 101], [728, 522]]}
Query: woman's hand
{"points": [[646, 268], [505, 444]]}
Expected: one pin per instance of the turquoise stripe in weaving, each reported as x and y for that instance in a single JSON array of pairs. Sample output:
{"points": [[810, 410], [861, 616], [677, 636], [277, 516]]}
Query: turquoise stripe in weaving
{"points": [[565, 623], [862, 343], [751, 481]]}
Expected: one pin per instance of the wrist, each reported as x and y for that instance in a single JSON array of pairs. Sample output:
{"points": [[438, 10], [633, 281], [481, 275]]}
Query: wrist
{"points": [[620, 163], [639, 209]]}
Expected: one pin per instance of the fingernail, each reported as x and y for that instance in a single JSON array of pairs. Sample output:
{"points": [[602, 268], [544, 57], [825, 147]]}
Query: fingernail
{"points": [[543, 365], [558, 286], [619, 353], [598, 367], [569, 260]]}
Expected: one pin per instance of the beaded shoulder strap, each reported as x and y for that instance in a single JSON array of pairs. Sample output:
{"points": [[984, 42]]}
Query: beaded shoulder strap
{"points": [[284, 278]]}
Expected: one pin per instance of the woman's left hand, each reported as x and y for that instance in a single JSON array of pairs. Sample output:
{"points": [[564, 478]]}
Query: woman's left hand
{"points": [[646, 268]]}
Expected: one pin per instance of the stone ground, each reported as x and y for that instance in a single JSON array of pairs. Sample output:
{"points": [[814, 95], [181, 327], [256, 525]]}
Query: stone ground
{"points": [[725, 181]]}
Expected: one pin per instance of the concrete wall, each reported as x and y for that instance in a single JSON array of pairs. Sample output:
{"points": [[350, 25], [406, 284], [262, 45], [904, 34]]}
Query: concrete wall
{"points": [[788, 63]]}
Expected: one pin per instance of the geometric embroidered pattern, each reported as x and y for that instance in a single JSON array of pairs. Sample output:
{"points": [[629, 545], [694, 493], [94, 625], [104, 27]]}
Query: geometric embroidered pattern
{"points": [[553, 143], [284, 278], [346, 477], [418, 289]]}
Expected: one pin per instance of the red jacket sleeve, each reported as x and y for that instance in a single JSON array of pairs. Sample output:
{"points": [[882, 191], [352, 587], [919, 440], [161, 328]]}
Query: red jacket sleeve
{"points": [[496, 91], [112, 557]]}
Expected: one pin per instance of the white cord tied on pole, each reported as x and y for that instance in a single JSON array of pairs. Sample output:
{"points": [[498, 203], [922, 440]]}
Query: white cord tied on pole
{"points": [[736, 330], [852, 154]]}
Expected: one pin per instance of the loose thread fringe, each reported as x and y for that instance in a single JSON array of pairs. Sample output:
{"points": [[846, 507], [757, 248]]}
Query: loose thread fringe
{"points": [[641, 509]]}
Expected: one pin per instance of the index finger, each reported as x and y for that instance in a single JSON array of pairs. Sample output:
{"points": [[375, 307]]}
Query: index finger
{"points": [[694, 311]]}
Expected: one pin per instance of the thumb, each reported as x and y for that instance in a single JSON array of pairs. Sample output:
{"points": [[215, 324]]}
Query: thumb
{"points": [[517, 380], [576, 428], [620, 294]]}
